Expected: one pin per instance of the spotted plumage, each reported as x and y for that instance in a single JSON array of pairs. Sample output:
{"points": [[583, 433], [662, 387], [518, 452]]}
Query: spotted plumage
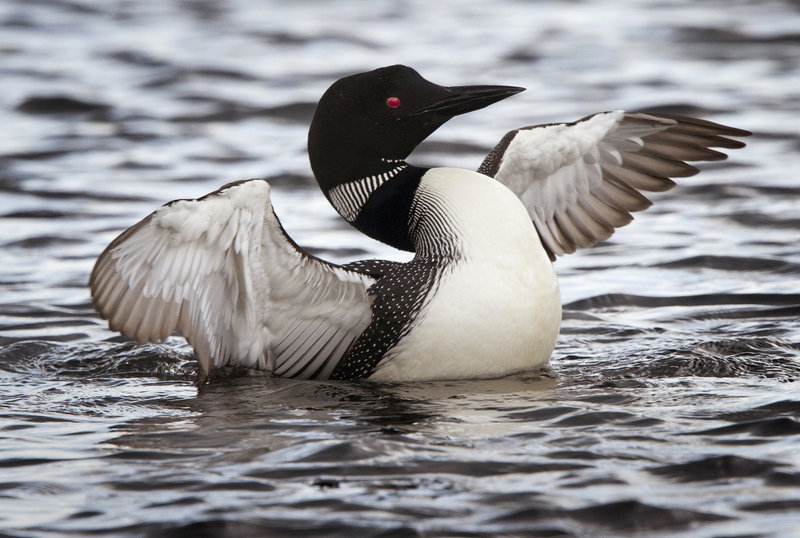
{"points": [[480, 297], [399, 294]]}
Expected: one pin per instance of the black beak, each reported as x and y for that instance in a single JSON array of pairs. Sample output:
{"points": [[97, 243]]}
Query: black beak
{"points": [[463, 99]]}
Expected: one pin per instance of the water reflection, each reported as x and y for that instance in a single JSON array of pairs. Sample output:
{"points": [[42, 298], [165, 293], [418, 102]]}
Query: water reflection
{"points": [[671, 402]]}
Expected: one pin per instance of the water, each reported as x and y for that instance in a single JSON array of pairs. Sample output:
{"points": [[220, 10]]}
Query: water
{"points": [[671, 404]]}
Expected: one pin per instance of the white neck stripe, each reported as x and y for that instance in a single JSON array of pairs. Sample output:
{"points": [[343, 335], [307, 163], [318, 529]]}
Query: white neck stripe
{"points": [[348, 198]]}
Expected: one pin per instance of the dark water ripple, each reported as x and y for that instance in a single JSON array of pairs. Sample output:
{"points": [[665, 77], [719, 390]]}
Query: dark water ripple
{"points": [[670, 407]]}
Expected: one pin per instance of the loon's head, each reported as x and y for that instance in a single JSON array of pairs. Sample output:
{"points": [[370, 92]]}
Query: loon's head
{"points": [[365, 126], [382, 115]]}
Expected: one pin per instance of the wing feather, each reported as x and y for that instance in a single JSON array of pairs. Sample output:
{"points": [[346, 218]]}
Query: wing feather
{"points": [[221, 271], [318, 366], [307, 368], [328, 364], [292, 359], [580, 181]]}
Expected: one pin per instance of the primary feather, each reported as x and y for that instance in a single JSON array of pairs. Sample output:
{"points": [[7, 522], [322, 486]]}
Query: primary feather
{"points": [[580, 181]]}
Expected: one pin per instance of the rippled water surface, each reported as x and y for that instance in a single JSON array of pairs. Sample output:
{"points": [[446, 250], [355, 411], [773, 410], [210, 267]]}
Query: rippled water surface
{"points": [[672, 402]]}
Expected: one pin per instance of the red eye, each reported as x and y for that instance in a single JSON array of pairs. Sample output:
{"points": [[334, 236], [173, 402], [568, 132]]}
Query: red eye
{"points": [[393, 102]]}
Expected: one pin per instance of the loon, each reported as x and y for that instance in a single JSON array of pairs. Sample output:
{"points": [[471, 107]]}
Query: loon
{"points": [[480, 297]]}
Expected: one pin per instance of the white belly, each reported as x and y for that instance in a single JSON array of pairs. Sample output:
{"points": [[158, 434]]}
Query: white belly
{"points": [[484, 321], [494, 312]]}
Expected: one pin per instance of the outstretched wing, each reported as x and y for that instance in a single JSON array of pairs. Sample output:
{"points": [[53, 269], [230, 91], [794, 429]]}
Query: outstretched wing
{"points": [[580, 181], [221, 271]]}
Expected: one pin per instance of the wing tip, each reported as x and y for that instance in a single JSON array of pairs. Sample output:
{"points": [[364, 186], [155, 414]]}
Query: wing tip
{"points": [[700, 124]]}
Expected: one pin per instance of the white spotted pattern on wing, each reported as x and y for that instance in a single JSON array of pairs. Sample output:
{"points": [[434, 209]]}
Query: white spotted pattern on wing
{"points": [[220, 271], [399, 295]]}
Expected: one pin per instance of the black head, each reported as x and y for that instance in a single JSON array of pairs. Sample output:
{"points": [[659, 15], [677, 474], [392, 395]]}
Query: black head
{"points": [[384, 114], [365, 126]]}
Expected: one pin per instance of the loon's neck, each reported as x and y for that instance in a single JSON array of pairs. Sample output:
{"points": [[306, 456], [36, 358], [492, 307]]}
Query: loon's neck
{"points": [[436, 212], [377, 200], [350, 193]]}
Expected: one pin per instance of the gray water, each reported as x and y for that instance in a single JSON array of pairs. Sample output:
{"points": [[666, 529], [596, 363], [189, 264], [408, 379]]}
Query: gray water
{"points": [[671, 406]]}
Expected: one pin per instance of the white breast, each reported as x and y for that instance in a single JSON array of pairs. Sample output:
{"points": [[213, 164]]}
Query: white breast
{"points": [[497, 309]]}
